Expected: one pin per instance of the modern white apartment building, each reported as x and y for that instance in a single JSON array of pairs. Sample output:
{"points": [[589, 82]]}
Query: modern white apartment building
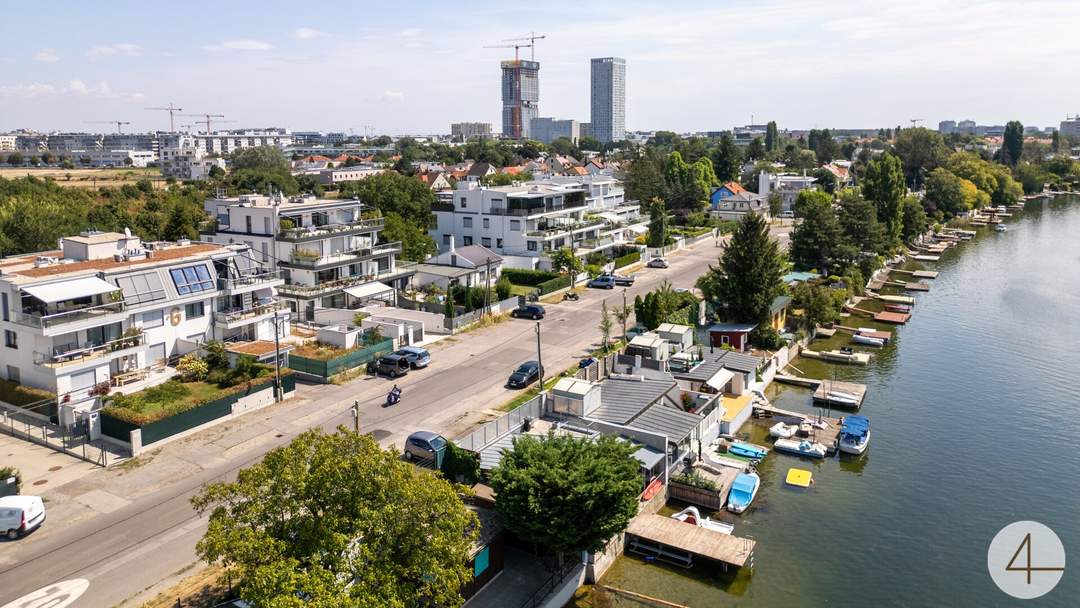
{"points": [[224, 143], [188, 163], [327, 250], [7, 142], [787, 184], [107, 308], [1070, 127], [607, 120], [114, 158], [464, 131], [546, 129]]}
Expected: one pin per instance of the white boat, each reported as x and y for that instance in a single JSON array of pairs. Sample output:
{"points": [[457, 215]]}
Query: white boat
{"points": [[691, 515], [867, 340], [855, 435], [1000, 228], [782, 431], [801, 447], [743, 490], [842, 398]]}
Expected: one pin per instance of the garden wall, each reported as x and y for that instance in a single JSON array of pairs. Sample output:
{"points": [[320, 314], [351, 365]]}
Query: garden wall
{"points": [[322, 370]]}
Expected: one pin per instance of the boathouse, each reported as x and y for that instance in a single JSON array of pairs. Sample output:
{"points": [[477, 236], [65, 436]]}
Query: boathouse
{"points": [[735, 335]]}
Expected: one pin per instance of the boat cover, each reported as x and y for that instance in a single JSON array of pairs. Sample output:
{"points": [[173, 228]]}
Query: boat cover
{"points": [[744, 484], [856, 426]]}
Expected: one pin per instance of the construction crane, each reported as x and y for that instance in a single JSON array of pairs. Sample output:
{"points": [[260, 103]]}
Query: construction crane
{"points": [[206, 118], [532, 38], [915, 122], [170, 110], [509, 46], [118, 123]]}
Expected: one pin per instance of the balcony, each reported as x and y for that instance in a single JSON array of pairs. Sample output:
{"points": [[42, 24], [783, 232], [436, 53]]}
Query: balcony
{"points": [[549, 230], [295, 290], [310, 233], [100, 312], [303, 258], [73, 354], [242, 316], [261, 279]]}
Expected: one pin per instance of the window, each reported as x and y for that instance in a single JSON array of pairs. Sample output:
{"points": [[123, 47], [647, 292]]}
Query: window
{"points": [[13, 374], [467, 240], [515, 225], [462, 202], [487, 223], [153, 318], [498, 243], [4, 305], [194, 310], [247, 223], [446, 240], [466, 222], [486, 242], [532, 246], [192, 279], [11, 339]]}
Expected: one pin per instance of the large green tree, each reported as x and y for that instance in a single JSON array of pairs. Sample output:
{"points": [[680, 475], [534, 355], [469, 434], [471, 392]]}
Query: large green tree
{"points": [[566, 493], [883, 185], [1012, 146], [772, 137], [658, 223], [747, 279], [915, 222], [921, 151], [333, 520], [392, 192], [727, 160], [416, 245], [817, 241]]}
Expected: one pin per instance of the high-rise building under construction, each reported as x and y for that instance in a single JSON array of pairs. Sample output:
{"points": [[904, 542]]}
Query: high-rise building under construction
{"points": [[520, 96]]}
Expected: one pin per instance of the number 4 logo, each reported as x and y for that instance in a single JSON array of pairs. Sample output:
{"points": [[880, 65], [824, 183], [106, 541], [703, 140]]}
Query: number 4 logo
{"points": [[1030, 548], [1028, 568]]}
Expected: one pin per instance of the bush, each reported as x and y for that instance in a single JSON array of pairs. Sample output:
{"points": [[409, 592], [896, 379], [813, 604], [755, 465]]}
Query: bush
{"points": [[695, 480], [626, 260], [373, 336], [559, 282], [764, 336], [460, 465], [192, 368], [216, 356], [503, 287], [593, 270], [9, 472], [532, 278]]}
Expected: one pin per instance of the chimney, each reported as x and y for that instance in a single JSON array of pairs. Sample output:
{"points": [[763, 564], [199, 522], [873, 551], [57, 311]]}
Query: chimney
{"points": [[451, 248]]}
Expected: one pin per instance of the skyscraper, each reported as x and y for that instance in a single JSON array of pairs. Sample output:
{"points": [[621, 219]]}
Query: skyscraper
{"points": [[520, 96], [608, 118]]}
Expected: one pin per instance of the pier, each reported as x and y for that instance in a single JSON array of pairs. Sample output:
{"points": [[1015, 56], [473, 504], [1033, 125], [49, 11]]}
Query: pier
{"points": [[828, 436], [821, 393], [898, 318], [837, 356], [673, 541]]}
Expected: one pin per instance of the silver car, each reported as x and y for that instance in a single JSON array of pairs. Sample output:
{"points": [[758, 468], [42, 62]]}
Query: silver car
{"points": [[418, 357]]}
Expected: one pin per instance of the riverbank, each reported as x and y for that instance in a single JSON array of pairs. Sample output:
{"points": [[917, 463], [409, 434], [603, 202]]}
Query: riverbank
{"points": [[983, 368]]}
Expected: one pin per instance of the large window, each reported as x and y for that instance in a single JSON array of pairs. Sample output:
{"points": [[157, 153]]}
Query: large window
{"points": [[194, 310], [11, 339], [466, 222], [192, 279], [515, 225], [142, 288], [153, 318]]}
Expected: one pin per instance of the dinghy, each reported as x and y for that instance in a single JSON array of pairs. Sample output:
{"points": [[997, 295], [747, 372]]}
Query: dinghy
{"points": [[867, 340], [801, 447], [746, 450], [743, 491], [691, 515], [782, 431]]}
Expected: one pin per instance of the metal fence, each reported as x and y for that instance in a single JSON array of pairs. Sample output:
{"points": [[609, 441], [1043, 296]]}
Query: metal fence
{"points": [[483, 436], [550, 585], [31, 425]]}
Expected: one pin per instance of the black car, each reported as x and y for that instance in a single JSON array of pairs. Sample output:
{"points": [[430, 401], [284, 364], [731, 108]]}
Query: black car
{"points": [[392, 365], [529, 311], [524, 375]]}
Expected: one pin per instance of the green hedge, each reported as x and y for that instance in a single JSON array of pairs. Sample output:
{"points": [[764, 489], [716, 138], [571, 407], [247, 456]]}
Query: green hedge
{"points": [[352, 359], [626, 260], [532, 278], [559, 282]]}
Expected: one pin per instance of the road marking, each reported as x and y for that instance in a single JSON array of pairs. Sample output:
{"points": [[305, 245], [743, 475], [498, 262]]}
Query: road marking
{"points": [[56, 595]]}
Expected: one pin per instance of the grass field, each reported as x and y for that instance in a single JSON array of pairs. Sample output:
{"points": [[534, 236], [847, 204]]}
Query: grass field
{"points": [[86, 178]]}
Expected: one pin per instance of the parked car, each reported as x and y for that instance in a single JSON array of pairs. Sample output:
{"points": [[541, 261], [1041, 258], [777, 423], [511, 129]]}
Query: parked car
{"points": [[393, 365], [603, 282], [524, 375], [624, 281], [657, 263], [20, 515], [418, 357], [787, 214], [529, 311], [424, 445]]}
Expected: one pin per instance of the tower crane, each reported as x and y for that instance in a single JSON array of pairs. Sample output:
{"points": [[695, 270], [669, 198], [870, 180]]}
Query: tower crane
{"points": [[170, 110], [509, 46], [207, 118], [118, 123], [532, 38], [915, 122]]}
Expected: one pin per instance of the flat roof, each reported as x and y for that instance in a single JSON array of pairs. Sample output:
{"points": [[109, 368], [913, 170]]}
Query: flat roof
{"points": [[16, 273]]}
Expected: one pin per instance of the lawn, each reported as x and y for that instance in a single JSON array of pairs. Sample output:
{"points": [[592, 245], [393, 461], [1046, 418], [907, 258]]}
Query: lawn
{"points": [[521, 290], [175, 397], [322, 352], [17, 394]]}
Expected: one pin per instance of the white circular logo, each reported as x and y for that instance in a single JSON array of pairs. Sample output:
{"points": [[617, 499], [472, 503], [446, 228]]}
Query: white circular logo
{"points": [[56, 595], [1026, 559]]}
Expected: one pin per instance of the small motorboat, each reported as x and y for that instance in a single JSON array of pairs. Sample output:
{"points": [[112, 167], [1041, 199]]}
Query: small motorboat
{"points": [[1000, 228], [746, 450], [782, 431], [897, 307], [691, 515], [855, 435], [799, 477], [801, 447], [842, 398], [867, 340], [743, 491]]}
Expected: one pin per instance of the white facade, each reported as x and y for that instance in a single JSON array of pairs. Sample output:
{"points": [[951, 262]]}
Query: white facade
{"points": [[115, 158], [188, 163], [464, 131], [546, 129], [1070, 127], [329, 177], [322, 247], [607, 120], [788, 185], [7, 143], [108, 308]]}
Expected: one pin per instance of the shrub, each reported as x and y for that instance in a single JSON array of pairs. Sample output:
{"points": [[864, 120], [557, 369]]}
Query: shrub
{"points": [[192, 368], [559, 282], [532, 278], [503, 287], [695, 480], [9, 472], [216, 356], [764, 336], [373, 336], [460, 465], [626, 260], [593, 270]]}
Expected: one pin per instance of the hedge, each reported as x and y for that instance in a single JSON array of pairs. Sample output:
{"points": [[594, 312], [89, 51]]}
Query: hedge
{"points": [[559, 282], [626, 260], [532, 278]]}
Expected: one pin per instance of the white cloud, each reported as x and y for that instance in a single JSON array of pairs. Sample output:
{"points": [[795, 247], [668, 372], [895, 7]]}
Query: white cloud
{"points": [[26, 91], [393, 95], [412, 31], [121, 49], [47, 56], [307, 33], [99, 90], [240, 45]]}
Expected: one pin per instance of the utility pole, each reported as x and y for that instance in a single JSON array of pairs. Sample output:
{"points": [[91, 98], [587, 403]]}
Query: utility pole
{"points": [[277, 358], [487, 288], [355, 409], [624, 314], [539, 358]]}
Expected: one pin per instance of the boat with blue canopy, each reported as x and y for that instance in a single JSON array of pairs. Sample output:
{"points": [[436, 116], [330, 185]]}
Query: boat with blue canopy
{"points": [[855, 435], [743, 491]]}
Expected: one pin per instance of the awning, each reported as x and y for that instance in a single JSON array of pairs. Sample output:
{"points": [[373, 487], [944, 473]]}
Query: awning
{"points": [[649, 457], [638, 228], [720, 379], [69, 290], [368, 290]]}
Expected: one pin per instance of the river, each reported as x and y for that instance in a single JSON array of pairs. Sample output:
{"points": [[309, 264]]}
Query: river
{"points": [[973, 411]]}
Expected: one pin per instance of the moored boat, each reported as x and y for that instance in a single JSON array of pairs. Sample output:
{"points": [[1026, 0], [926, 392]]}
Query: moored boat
{"points": [[743, 491], [842, 398], [801, 447], [782, 431], [855, 435], [746, 450], [1000, 228], [867, 340], [691, 515]]}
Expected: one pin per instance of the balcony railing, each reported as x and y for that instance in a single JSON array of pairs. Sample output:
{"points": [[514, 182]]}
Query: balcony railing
{"points": [[301, 257], [232, 316], [306, 291], [248, 280], [75, 353], [304, 233], [40, 321], [552, 230]]}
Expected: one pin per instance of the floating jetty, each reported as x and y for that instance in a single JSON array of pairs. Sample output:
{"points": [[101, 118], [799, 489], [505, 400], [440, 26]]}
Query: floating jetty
{"points": [[828, 436], [918, 274], [837, 356], [926, 258], [898, 318], [673, 541], [897, 299], [825, 387]]}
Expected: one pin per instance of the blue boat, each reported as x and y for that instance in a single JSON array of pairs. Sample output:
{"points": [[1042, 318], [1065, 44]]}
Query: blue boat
{"points": [[746, 450], [743, 491], [855, 435]]}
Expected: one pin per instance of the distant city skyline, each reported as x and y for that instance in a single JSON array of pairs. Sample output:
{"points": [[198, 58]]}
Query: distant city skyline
{"points": [[369, 68]]}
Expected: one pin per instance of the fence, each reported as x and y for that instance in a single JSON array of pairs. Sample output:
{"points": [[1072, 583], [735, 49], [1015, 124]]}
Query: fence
{"points": [[599, 370], [626, 260], [468, 318], [475, 441], [540, 595], [31, 426], [326, 368]]}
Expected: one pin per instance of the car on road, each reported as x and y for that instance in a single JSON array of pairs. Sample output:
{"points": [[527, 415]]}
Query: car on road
{"points": [[524, 375], [624, 281], [529, 311], [20, 515], [424, 445], [603, 282], [787, 214], [392, 365], [657, 263], [418, 357]]}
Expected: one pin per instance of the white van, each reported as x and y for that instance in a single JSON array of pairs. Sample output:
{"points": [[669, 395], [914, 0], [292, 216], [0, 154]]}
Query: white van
{"points": [[20, 514]]}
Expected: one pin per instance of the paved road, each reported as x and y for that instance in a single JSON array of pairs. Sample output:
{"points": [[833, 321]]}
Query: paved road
{"points": [[152, 536]]}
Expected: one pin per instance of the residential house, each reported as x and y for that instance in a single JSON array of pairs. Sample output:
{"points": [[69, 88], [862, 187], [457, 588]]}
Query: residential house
{"points": [[733, 375], [472, 266], [334, 176], [731, 202], [735, 335], [436, 180], [479, 170], [841, 170], [107, 308], [787, 184], [329, 250], [188, 163]]}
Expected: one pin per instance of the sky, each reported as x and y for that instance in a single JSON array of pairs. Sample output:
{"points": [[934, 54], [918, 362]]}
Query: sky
{"points": [[415, 67]]}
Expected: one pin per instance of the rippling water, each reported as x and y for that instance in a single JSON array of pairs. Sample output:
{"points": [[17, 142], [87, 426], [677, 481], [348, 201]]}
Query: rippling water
{"points": [[974, 414]]}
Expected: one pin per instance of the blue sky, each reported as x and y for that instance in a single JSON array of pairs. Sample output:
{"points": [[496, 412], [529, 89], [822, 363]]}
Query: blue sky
{"points": [[414, 67]]}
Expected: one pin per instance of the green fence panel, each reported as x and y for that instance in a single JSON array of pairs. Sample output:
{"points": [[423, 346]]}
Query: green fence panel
{"points": [[167, 427], [314, 367], [351, 360], [116, 428], [288, 383]]}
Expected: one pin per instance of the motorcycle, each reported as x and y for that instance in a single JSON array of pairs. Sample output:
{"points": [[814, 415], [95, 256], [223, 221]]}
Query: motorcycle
{"points": [[571, 296], [393, 397]]}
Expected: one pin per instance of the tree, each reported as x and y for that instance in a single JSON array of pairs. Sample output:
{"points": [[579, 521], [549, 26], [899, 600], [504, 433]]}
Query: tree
{"points": [[35, 161], [776, 203], [816, 241], [563, 260], [658, 223], [948, 193], [622, 315], [883, 185], [859, 223], [819, 303], [727, 160], [756, 149], [914, 222], [1031, 177], [824, 179], [644, 178], [921, 151], [567, 493], [216, 172], [15, 159], [180, 225], [747, 278], [590, 143], [337, 521], [772, 137], [605, 326], [416, 245], [392, 192], [1056, 142], [1012, 146], [826, 149]]}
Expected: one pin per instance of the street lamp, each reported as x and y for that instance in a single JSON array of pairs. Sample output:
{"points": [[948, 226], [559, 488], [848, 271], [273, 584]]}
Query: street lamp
{"points": [[539, 358]]}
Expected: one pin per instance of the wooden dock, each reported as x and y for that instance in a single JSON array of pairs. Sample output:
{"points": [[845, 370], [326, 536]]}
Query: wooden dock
{"points": [[898, 318], [828, 436], [821, 394], [926, 258], [665, 534], [917, 286], [796, 381], [715, 500]]}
